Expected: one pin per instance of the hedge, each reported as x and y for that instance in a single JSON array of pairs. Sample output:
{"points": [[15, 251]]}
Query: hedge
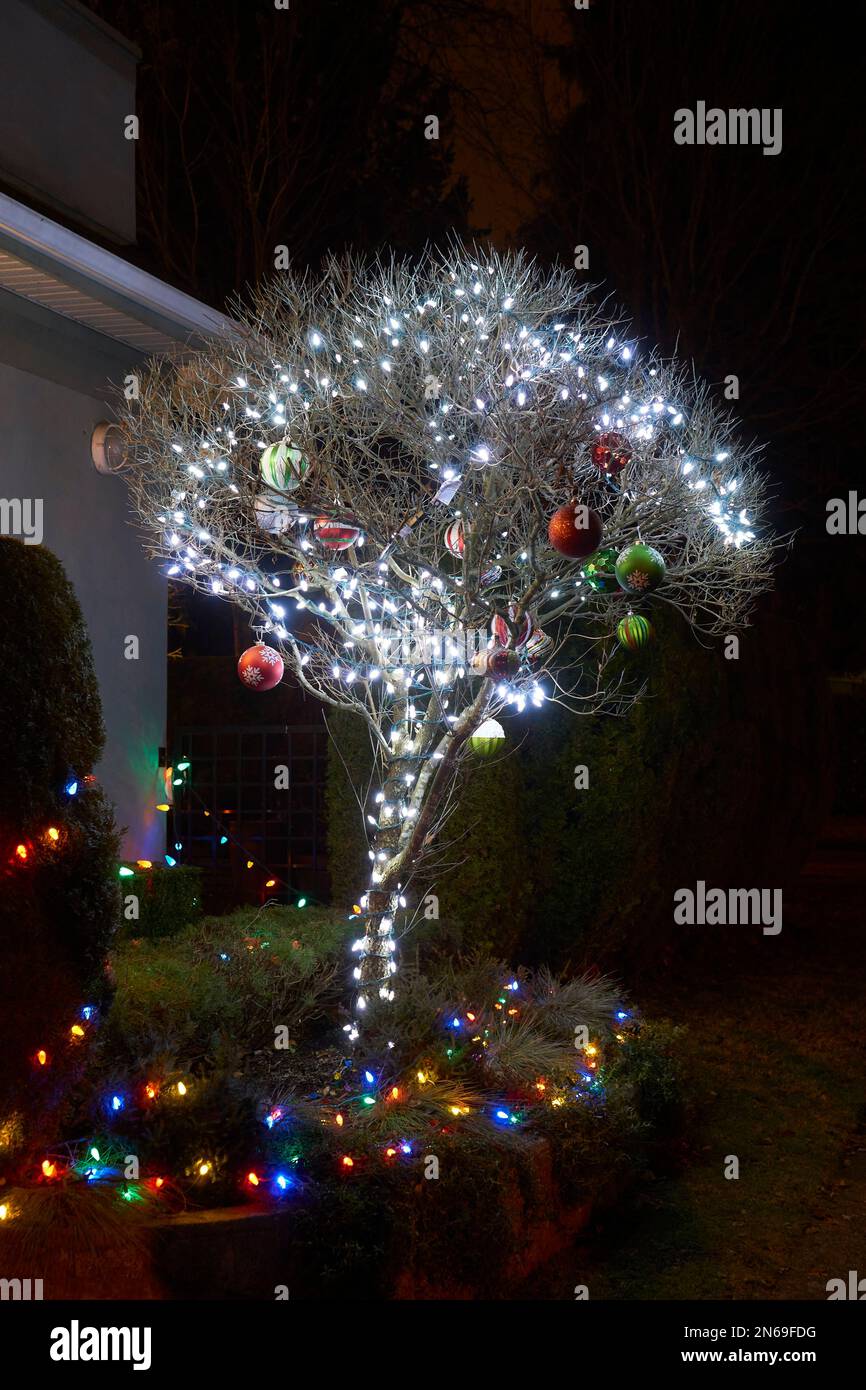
{"points": [[160, 901], [685, 786], [58, 850]]}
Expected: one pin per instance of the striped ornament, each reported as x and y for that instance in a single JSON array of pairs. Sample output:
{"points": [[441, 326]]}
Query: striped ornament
{"points": [[336, 535], [283, 467], [502, 632], [634, 632], [454, 537], [487, 739], [537, 644]]}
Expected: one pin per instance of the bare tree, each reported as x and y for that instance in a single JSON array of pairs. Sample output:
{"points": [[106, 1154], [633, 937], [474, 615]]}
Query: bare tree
{"points": [[438, 488]]}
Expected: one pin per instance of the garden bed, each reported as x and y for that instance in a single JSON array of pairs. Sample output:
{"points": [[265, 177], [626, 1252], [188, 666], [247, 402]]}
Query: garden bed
{"points": [[465, 1139]]}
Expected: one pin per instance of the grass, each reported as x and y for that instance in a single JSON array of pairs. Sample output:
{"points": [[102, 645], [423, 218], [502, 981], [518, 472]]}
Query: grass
{"points": [[773, 1057]]}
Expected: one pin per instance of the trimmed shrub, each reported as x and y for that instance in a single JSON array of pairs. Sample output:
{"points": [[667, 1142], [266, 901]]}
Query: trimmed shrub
{"points": [[58, 851], [220, 984], [168, 899]]}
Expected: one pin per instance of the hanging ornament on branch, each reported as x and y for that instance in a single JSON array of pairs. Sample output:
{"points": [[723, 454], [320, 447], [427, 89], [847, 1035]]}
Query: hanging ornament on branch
{"points": [[487, 739], [537, 644], [273, 514], [260, 667], [635, 631], [455, 539], [575, 530], [336, 535], [611, 454], [600, 570], [501, 629], [639, 568], [283, 467]]}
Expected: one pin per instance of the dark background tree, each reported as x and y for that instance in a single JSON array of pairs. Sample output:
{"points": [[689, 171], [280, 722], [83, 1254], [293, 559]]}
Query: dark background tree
{"points": [[263, 128]]}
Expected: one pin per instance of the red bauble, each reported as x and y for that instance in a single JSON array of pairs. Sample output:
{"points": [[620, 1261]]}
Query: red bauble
{"points": [[574, 530], [260, 667], [611, 453], [336, 535]]}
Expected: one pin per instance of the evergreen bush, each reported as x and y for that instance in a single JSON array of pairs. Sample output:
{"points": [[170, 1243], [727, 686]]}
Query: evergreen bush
{"points": [[59, 902]]}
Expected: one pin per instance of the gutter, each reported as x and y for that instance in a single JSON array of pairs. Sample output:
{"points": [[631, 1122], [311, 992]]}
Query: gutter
{"points": [[36, 236]]}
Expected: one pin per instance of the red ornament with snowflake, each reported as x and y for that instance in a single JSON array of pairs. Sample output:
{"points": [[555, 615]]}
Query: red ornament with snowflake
{"points": [[260, 667]]}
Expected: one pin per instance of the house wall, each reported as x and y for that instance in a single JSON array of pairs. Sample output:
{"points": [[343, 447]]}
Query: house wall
{"points": [[67, 84], [45, 429]]}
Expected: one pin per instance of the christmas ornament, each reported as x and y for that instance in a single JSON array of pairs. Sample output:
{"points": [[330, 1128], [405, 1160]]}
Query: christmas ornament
{"points": [[454, 537], [600, 570], [639, 568], [635, 631], [432, 387], [610, 454], [478, 663], [502, 663], [283, 467], [336, 535], [574, 530], [272, 514], [487, 738], [490, 576], [537, 644], [260, 667], [502, 632]]}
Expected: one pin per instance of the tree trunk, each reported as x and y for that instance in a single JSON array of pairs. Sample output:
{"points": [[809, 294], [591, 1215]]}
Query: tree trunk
{"points": [[404, 844]]}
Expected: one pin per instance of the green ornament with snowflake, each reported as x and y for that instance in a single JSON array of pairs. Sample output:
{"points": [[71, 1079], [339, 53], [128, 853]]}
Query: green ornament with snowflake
{"points": [[639, 568]]}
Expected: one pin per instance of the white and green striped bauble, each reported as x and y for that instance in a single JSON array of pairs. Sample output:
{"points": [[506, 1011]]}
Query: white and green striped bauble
{"points": [[283, 467], [487, 739]]}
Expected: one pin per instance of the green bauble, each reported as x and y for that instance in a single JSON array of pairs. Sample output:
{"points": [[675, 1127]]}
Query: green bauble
{"points": [[487, 739], [639, 568], [634, 631], [599, 571]]}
